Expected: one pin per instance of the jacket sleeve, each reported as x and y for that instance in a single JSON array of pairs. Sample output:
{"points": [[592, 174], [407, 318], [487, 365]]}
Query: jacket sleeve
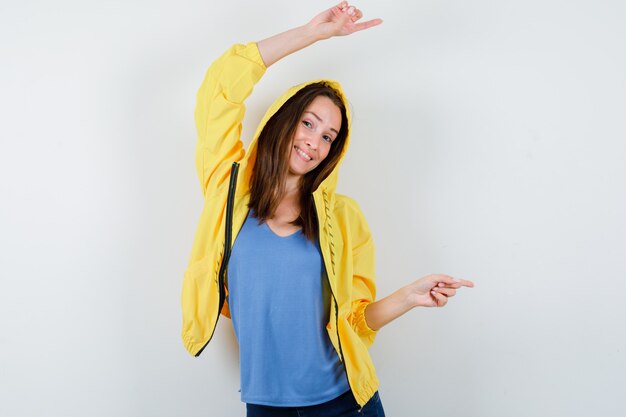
{"points": [[220, 110], [363, 275]]}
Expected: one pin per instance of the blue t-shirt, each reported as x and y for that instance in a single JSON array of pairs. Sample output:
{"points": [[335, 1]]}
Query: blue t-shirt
{"points": [[279, 302]]}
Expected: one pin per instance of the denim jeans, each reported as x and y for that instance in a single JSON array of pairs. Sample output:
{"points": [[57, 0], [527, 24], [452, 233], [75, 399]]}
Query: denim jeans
{"points": [[343, 406]]}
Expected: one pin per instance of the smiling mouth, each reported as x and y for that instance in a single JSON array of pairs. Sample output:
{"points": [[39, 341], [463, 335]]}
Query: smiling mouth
{"points": [[303, 154]]}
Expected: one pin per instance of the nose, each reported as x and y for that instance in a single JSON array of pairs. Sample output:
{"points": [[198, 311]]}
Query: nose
{"points": [[312, 141]]}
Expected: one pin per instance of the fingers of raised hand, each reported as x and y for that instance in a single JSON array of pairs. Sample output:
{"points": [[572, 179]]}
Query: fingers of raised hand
{"points": [[345, 8], [356, 14], [368, 24], [350, 13]]}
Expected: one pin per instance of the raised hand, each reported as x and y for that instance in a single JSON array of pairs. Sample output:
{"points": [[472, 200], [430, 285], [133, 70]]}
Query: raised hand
{"points": [[340, 20]]}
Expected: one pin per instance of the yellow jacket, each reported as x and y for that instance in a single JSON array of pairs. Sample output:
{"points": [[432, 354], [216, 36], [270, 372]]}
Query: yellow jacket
{"points": [[223, 165]]}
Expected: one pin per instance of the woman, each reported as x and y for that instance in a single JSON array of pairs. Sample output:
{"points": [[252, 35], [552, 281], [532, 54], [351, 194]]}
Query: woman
{"points": [[300, 284]]}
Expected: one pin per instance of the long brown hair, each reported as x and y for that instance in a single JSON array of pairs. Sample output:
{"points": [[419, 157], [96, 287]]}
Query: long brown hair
{"points": [[271, 167]]}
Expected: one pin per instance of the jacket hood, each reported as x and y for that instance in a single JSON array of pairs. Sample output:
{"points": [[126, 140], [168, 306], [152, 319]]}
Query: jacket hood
{"points": [[330, 182]]}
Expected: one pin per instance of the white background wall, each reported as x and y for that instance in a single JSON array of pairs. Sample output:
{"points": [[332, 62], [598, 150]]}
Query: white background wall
{"points": [[489, 143]]}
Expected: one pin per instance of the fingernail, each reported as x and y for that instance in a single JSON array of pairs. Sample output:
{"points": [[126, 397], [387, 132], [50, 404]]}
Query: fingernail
{"points": [[351, 10]]}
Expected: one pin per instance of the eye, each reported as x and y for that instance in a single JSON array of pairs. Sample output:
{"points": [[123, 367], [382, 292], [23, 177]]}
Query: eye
{"points": [[328, 139], [307, 123]]}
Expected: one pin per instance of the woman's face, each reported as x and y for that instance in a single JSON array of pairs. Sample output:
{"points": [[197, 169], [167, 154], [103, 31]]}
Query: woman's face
{"points": [[317, 128]]}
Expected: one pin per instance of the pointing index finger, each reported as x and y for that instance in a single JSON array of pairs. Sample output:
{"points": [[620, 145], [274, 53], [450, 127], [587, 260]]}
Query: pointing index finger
{"points": [[465, 283], [368, 24], [455, 282]]}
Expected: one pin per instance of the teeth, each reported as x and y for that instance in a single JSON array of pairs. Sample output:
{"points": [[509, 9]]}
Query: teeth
{"points": [[303, 154]]}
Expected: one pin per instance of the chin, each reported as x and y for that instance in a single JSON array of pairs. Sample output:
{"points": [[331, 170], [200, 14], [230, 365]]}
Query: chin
{"points": [[298, 172], [297, 168]]}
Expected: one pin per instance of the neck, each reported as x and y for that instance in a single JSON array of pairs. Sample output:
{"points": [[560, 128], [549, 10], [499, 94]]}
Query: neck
{"points": [[292, 185], [289, 207]]}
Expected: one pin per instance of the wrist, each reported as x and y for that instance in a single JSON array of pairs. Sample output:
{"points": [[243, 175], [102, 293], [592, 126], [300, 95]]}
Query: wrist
{"points": [[407, 297], [311, 33]]}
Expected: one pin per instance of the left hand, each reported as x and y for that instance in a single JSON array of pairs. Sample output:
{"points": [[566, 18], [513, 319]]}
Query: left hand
{"points": [[434, 290]]}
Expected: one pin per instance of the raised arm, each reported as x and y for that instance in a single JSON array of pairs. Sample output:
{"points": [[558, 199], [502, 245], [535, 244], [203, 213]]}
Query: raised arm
{"points": [[219, 112], [230, 79], [340, 20]]}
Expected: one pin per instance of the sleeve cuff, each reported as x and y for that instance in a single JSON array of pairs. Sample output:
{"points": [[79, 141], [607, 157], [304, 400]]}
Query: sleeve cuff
{"points": [[251, 52], [360, 323]]}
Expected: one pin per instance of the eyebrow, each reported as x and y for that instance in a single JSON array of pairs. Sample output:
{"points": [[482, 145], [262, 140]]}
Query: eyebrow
{"points": [[320, 119]]}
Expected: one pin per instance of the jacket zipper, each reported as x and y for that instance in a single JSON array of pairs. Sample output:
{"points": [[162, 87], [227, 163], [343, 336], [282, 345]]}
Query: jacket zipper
{"points": [[232, 186], [345, 368], [341, 356]]}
